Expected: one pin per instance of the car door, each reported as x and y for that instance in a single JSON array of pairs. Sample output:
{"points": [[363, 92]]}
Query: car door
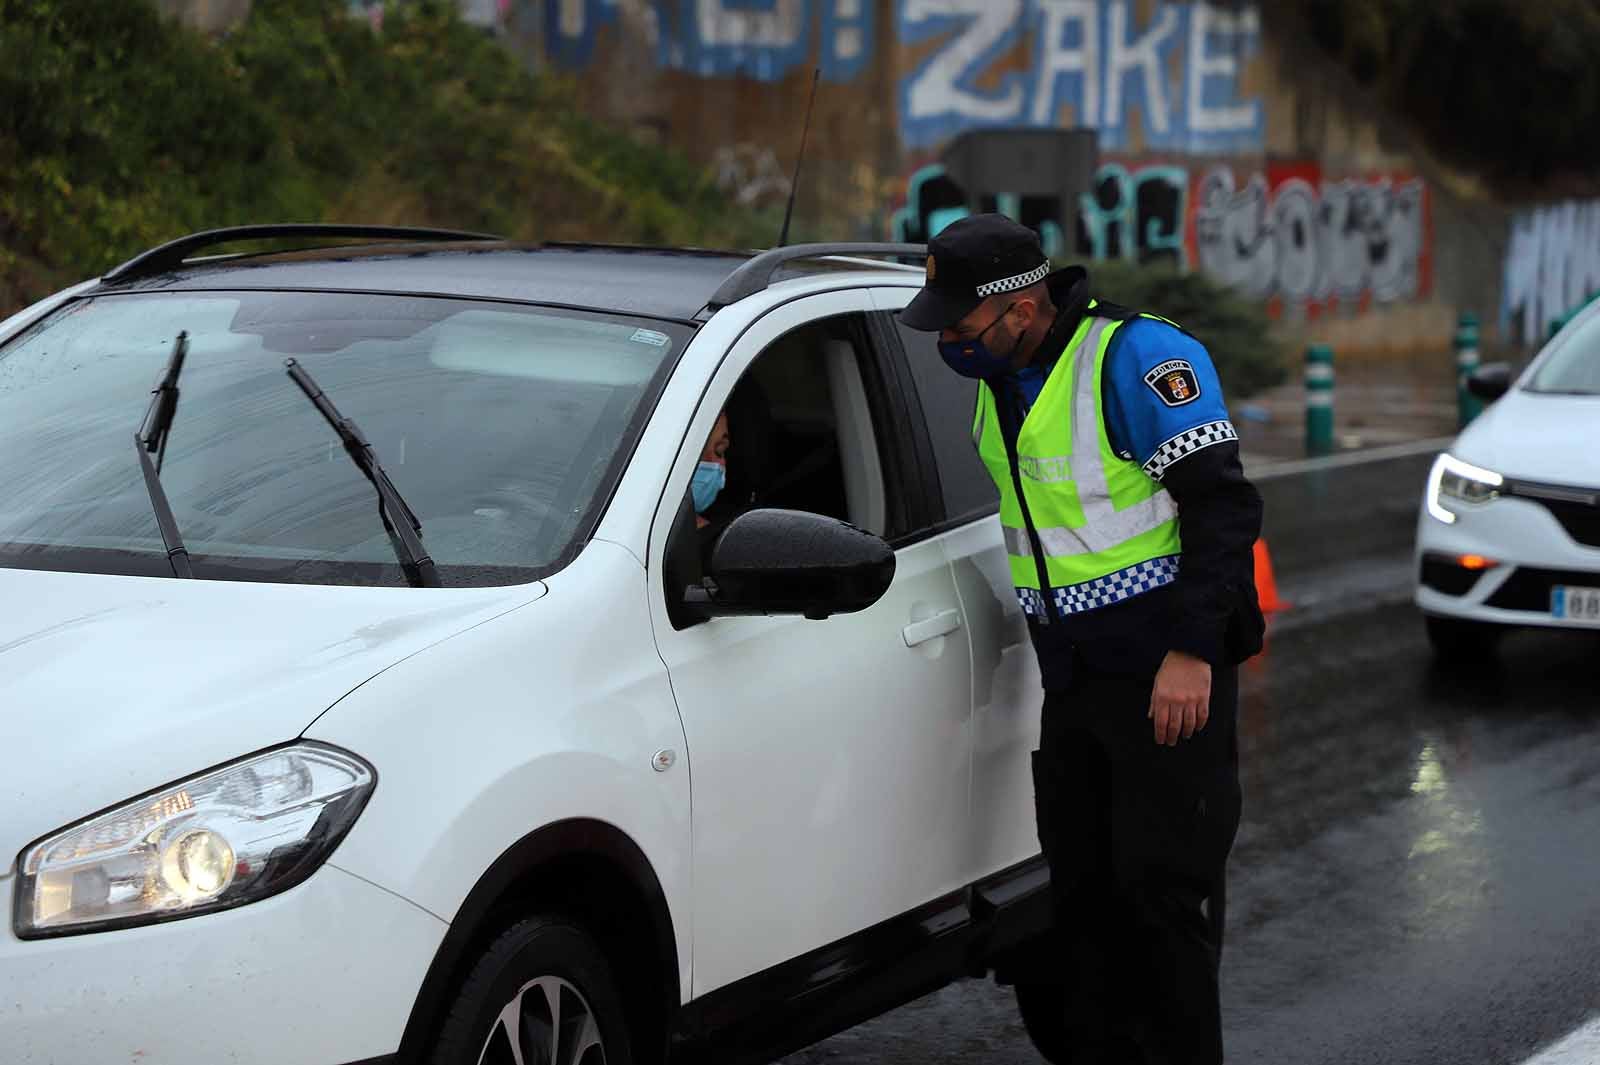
{"points": [[1006, 693], [829, 760]]}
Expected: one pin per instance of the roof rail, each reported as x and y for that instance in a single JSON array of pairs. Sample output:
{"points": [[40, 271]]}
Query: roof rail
{"points": [[754, 276], [682, 249], [172, 254]]}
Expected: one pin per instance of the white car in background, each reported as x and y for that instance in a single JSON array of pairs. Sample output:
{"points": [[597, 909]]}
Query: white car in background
{"points": [[1509, 529], [379, 699]]}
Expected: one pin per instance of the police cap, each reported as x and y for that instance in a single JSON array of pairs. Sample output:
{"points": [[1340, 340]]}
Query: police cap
{"points": [[979, 256]]}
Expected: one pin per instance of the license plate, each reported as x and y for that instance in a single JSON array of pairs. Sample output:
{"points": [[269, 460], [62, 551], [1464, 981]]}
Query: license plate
{"points": [[1575, 604]]}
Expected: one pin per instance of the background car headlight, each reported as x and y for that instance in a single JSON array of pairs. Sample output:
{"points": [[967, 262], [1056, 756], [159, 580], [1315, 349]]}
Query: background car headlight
{"points": [[223, 838], [1452, 479]]}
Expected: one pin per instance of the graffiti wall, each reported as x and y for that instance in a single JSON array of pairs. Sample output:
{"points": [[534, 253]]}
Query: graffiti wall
{"points": [[1171, 87], [1283, 233], [1288, 233], [760, 39], [1224, 146], [1137, 212], [1175, 75], [1552, 265], [750, 173], [1086, 63]]}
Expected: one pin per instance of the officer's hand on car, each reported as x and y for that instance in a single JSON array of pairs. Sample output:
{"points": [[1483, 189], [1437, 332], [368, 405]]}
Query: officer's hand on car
{"points": [[1180, 702]]}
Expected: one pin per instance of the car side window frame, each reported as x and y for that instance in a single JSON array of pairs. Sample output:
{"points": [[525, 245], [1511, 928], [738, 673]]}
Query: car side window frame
{"points": [[894, 421], [897, 424], [941, 520], [893, 395]]}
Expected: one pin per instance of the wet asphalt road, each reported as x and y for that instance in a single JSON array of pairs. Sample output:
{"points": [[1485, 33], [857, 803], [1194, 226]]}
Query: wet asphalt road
{"points": [[1417, 875]]}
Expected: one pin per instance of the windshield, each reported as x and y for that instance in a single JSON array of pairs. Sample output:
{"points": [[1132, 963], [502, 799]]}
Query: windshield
{"points": [[500, 424], [1573, 365]]}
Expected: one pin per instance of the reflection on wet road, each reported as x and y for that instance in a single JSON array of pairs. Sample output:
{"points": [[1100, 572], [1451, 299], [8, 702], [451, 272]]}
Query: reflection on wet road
{"points": [[1417, 877]]}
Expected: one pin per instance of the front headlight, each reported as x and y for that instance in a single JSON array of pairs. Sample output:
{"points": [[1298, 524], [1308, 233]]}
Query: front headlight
{"points": [[1456, 480], [224, 838]]}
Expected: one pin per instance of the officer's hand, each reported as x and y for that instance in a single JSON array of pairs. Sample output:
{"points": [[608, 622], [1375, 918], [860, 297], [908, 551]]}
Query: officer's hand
{"points": [[1180, 703]]}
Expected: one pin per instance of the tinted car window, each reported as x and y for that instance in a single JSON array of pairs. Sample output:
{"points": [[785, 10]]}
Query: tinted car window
{"points": [[498, 423], [948, 401]]}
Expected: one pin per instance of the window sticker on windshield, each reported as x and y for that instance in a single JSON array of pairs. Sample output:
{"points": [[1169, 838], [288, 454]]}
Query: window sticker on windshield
{"points": [[651, 337]]}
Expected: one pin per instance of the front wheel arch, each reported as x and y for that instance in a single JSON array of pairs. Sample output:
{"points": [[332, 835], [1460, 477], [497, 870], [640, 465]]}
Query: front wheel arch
{"points": [[596, 875]]}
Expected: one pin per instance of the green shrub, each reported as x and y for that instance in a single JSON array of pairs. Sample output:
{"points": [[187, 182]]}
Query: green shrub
{"points": [[1236, 331], [120, 129]]}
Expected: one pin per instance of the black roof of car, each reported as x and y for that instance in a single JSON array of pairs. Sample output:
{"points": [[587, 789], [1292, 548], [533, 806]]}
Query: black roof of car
{"points": [[672, 283]]}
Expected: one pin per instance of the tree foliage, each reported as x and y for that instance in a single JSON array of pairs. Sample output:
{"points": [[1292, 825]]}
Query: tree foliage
{"points": [[1236, 331], [120, 129], [1509, 88]]}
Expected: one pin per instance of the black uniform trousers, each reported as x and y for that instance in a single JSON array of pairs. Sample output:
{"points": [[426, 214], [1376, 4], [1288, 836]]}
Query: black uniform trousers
{"points": [[1136, 836]]}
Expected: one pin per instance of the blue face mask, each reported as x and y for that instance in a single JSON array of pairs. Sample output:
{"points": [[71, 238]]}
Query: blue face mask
{"points": [[972, 358], [709, 477]]}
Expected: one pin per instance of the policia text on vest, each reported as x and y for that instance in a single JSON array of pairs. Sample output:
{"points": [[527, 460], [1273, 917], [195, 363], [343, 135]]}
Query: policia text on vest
{"points": [[1128, 526]]}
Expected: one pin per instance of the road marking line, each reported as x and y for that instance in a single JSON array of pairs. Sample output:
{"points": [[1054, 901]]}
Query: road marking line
{"points": [[1580, 1048], [1354, 458]]}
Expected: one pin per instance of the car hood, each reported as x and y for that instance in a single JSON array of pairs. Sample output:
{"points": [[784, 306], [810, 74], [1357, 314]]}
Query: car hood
{"points": [[1536, 437], [111, 686]]}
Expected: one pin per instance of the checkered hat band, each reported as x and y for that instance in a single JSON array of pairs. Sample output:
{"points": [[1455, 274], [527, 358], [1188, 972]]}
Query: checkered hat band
{"points": [[1103, 591], [1011, 284]]}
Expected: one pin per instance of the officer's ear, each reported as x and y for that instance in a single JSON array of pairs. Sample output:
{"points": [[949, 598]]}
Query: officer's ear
{"points": [[1027, 310]]}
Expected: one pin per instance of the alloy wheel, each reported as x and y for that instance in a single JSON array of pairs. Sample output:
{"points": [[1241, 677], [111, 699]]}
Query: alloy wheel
{"points": [[548, 1022]]}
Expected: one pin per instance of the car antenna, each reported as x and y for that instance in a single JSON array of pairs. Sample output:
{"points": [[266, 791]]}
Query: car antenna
{"points": [[805, 131]]}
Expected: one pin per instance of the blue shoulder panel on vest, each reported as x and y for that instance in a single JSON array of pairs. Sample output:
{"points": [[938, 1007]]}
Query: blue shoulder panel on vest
{"points": [[1162, 397]]}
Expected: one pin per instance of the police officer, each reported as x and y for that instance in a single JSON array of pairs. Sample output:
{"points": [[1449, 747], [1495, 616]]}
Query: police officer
{"points": [[1129, 526]]}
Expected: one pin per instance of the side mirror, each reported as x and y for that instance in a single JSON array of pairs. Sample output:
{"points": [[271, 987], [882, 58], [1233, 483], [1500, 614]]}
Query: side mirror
{"points": [[1490, 381], [792, 562]]}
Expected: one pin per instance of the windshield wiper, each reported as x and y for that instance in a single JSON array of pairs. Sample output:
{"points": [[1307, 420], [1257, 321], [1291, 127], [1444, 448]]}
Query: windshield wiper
{"points": [[403, 532], [152, 436]]}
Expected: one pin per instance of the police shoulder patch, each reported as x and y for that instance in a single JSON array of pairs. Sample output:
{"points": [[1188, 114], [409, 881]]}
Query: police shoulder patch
{"points": [[1175, 382]]}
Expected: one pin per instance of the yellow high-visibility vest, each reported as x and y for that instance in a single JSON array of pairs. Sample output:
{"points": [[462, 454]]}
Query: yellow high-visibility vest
{"points": [[1105, 529]]}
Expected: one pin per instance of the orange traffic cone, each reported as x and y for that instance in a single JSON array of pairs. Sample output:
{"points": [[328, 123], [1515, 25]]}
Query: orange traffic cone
{"points": [[1266, 583]]}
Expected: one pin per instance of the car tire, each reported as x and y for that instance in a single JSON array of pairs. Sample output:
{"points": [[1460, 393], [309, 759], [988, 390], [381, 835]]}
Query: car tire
{"points": [[1043, 1005], [547, 978], [1459, 640]]}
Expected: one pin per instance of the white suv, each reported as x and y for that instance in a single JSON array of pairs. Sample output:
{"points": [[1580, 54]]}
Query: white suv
{"points": [[399, 711]]}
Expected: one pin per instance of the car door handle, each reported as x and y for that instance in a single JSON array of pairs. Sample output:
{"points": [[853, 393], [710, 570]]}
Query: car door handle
{"points": [[946, 621]]}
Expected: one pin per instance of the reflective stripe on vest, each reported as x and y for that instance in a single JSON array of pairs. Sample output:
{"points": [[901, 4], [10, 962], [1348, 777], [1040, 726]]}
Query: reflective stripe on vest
{"points": [[1105, 527], [1107, 530]]}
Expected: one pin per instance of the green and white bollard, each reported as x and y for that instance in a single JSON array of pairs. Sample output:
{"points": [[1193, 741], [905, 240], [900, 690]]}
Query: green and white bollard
{"points": [[1468, 406], [1319, 400]]}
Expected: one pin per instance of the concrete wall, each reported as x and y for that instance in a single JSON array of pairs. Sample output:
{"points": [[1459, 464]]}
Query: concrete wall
{"points": [[1227, 144]]}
